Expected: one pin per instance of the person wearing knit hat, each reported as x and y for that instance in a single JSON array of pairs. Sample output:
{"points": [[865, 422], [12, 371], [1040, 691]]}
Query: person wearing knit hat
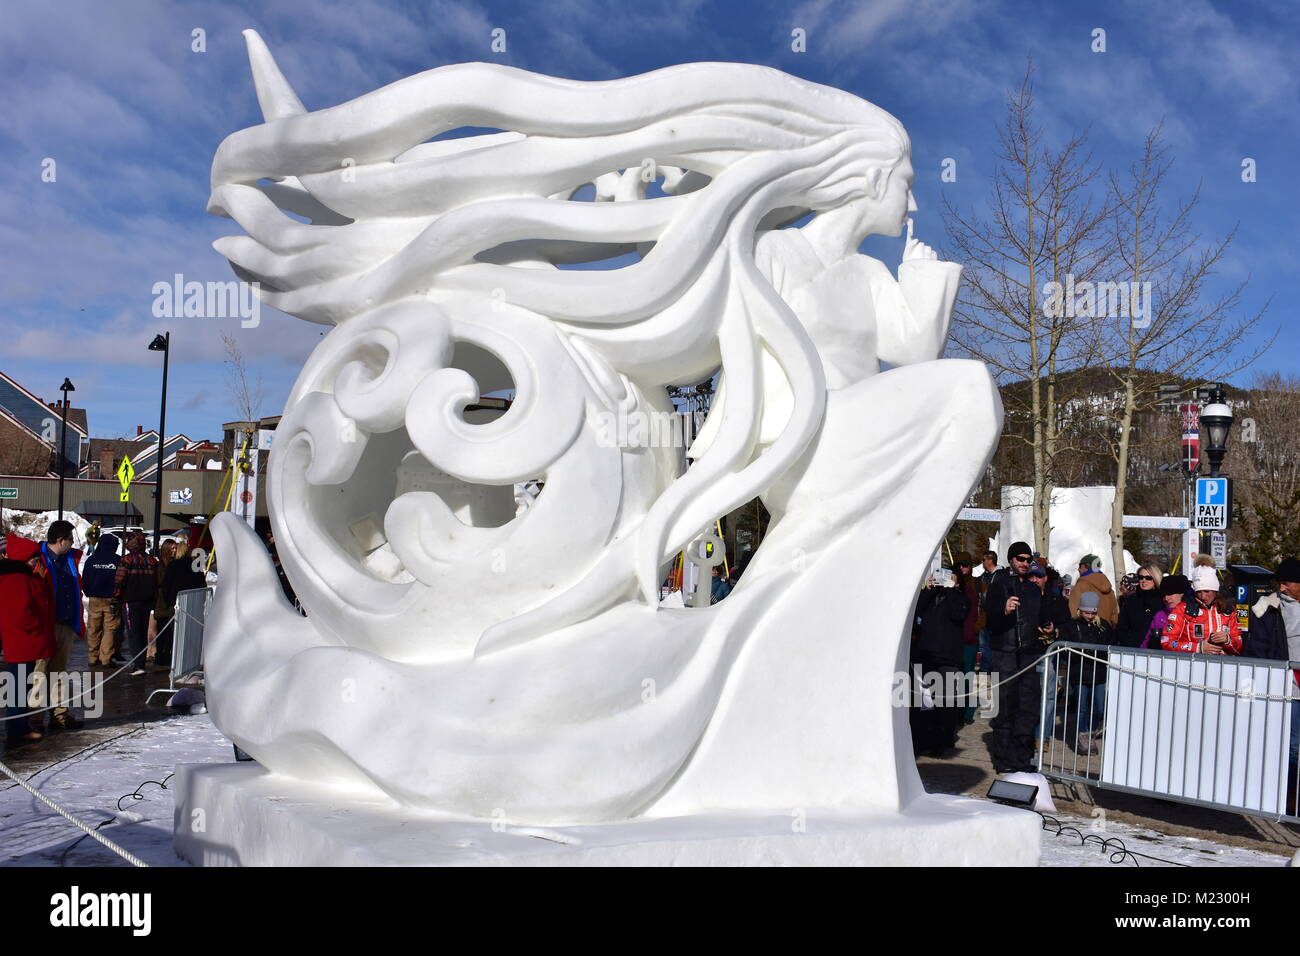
{"points": [[1288, 572], [1012, 609], [1092, 578], [1089, 681], [1205, 624], [1274, 634], [1205, 579]]}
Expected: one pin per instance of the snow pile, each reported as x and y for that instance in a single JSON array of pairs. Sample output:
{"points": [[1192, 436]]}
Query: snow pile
{"points": [[34, 524]]}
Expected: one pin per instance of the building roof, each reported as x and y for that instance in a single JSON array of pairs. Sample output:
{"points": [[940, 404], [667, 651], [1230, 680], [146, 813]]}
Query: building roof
{"points": [[32, 413], [143, 451], [107, 509], [120, 446]]}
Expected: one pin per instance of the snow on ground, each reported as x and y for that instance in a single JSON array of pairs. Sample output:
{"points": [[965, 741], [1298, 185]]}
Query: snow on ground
{"points": [[1156, 849], [92, 784]]}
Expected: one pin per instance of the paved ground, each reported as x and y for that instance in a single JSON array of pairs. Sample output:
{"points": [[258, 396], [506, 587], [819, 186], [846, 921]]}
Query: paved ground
{"points": [[967, 770]]}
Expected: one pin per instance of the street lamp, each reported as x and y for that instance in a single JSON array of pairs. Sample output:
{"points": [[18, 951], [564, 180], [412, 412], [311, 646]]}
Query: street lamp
{"points": [[161, 343], [66, 387], [1217, 418]]}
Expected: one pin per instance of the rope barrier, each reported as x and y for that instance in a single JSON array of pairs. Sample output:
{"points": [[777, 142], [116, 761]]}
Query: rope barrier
{"points": [[116, 673], [67, 815]]}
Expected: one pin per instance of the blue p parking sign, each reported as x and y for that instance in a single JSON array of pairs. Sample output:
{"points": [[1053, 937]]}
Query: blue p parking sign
{"points": [[1213, 504]]}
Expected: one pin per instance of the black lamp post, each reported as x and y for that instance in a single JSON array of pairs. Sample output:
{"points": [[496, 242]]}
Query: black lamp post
{"points": [[161, 343], [66, 387], [1217, 419]]}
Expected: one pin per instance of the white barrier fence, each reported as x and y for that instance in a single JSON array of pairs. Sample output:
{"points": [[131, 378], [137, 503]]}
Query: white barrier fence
{"points": [[1213, 731]]}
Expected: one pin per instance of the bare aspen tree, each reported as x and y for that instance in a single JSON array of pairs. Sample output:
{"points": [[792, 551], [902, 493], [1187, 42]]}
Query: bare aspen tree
{"points": [[1264, 452], [247, 392], [1043, 231], [1171, 332]]}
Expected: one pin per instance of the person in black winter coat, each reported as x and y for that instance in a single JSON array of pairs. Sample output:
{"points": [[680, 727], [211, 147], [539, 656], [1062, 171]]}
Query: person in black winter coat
{"points": [[1137, 609], [1274, 635], [941, 611], [1012, 611], [179, 576], [103, 616]]}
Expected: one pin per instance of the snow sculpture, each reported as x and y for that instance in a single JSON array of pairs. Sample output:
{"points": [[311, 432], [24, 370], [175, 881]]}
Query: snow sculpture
{"points": [[1080, 525], [465, 655]]}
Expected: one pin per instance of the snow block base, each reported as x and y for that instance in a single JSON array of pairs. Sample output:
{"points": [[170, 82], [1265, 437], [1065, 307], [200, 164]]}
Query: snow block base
{"points": [[242, 815]]}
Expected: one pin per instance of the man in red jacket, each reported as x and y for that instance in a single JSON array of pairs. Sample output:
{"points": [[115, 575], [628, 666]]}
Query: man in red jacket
{"points": [[26, 630]]}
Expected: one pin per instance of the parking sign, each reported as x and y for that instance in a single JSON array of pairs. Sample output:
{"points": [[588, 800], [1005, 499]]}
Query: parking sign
{"points": [[1213, 504]]}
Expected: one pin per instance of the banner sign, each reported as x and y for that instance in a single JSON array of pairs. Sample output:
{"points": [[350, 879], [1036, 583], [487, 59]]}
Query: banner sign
{"points": [[1191, 436]]}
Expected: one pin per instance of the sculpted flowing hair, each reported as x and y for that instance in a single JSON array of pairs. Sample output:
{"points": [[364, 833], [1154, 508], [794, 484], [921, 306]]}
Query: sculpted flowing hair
{"points": [[394, 214]]}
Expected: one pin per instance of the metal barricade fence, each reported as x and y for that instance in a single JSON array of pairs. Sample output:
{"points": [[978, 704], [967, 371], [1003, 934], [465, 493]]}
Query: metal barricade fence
{"points": [[1208, 730], [191, 615], [188, 619]]}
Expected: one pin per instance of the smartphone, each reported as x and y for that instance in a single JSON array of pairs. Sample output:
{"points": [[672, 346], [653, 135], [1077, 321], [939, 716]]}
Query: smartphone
{"points": [[1199, 631]]}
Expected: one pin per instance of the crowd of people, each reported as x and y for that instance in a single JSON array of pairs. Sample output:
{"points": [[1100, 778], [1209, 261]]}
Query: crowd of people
{"points": [[1004, 620], [49, 597]]}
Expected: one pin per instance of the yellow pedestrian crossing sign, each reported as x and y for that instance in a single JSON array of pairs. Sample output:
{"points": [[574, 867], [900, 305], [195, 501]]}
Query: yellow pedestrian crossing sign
{"points": [[124, 496], [125, 475]]}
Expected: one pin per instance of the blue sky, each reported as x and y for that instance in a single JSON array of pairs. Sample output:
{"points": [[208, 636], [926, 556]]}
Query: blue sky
{"points": [[114, 94]]}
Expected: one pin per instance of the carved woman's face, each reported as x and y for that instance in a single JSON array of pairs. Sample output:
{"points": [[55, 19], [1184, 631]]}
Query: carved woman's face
{"points": [[886, 215], [897, 201]]}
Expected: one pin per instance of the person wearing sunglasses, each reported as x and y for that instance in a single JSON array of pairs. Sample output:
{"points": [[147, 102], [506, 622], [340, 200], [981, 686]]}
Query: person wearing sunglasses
{"points": [[1012, 609], [1137, 610]]}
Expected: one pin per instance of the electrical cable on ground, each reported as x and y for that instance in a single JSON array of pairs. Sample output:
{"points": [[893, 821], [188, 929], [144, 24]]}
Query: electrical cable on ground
{"points": [[1118, 851], [135, 794]]}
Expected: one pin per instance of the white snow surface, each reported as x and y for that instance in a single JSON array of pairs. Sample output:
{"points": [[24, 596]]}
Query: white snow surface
{"points": [[1157, 849], [90, 785]]}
